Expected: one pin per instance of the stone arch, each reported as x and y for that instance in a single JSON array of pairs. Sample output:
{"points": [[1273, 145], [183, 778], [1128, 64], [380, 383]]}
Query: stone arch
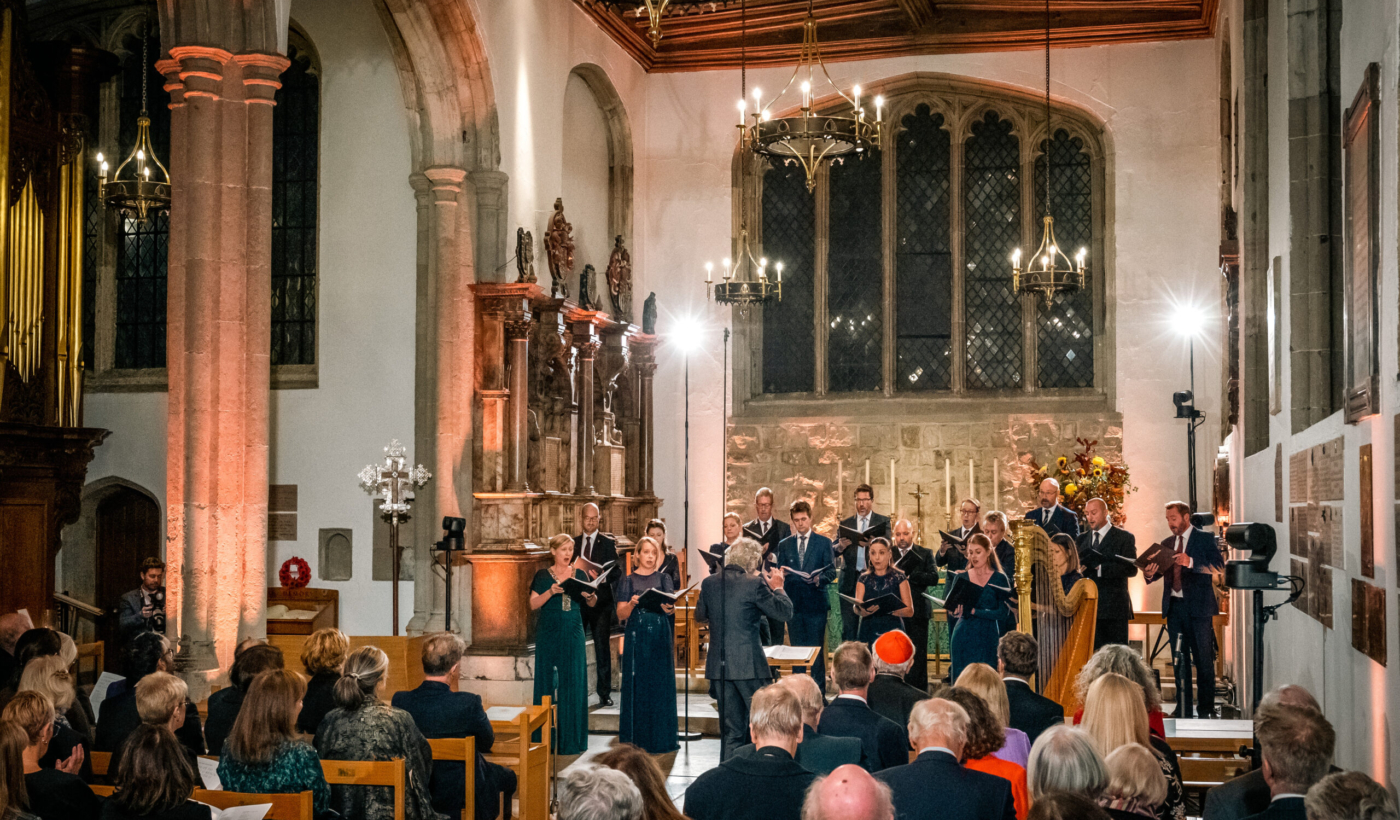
{"points": [[620, 162], [77, 556]]}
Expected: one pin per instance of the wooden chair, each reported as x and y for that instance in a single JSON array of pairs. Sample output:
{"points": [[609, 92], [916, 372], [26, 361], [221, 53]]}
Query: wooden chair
{"points": [[284, 806], [369, 773], [101, 762], [516, 749], [1201, 774], [102, 791], [463, 749], [91, 657]]}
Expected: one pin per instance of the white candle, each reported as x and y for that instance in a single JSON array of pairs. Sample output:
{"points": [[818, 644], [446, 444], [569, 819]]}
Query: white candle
{"points": [[894, 489], [971, 481], [948, 486], [840, 491], [867, 471], [996, 484]]}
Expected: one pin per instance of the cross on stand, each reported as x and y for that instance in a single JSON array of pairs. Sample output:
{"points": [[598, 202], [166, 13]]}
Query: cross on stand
{"points": [[918, 496], [394, 481]]}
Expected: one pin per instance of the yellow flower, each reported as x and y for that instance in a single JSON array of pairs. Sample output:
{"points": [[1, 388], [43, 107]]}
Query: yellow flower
{"points": [[1062, 461], [1098, 461], [1071, 489], [1098, 473]]}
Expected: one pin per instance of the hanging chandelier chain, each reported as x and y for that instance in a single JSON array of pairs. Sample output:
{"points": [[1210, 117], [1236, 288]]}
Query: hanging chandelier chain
{"points": [[1047, 107], [145, 65]]}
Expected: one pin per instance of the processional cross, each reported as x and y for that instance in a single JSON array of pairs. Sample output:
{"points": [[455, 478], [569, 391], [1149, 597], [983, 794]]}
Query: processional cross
{"points": [[918, 496], [394, 481]]}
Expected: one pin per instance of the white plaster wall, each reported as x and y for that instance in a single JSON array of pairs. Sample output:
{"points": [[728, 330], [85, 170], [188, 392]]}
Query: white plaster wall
{"points": [[584, 185]]}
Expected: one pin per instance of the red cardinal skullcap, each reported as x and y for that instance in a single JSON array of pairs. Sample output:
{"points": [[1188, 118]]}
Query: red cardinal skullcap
{"points": [[894, 648]]}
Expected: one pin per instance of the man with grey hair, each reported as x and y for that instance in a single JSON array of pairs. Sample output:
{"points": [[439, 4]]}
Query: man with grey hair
{"points": [[734, 603], [1065, 759], [848, 793], [1249, 793], [817, 753], [1297, 745], [936, 786], [766, 783], [598, 793], [1051, 515], [1350, 796]]}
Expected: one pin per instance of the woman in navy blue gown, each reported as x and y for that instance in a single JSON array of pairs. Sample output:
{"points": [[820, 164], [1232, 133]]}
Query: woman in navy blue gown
{"points": [[881, 579], [981, 627], [648, 664]]}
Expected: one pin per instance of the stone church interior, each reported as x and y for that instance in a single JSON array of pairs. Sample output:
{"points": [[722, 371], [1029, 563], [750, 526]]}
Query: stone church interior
{"points": [[623, 385]]}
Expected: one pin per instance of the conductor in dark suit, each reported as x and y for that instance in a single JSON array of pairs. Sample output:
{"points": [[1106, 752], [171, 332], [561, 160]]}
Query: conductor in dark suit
{"points": [[769, 532], [441, 713], [807, 551], [919, 565], [883, 742], [1031, 712], [816, 752], [936, 786], [1098, 546], [599, 548], [852, 555], [732, 603], [1189, 606], [1051, 515]]}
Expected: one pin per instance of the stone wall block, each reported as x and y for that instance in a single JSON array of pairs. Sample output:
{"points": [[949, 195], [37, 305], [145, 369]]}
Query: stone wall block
{"points": [[980, 437], [743, 438], [877, 437], [773, 437], [791, 457], [953, 435], [909, 436]]}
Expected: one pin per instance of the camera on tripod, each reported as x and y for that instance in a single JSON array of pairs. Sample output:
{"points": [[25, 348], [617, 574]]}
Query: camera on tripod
{"points": [[1252, 572]]}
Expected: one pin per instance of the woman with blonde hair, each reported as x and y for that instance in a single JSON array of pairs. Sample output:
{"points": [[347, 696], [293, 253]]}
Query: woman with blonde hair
{"points": [[648, 716], [561, 667], [983, 681], [50, 677], [1125, 661], [321, 657], [57, 793], [1136, 786], [13, 795], [262, 754], [1114, 716]]}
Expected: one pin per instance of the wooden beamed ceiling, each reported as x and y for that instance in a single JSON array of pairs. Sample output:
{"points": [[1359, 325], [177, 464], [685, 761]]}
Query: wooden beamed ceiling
{"points": [[700, 36]]}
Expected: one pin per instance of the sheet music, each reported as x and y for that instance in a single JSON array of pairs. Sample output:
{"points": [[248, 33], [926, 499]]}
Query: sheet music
{"points": [[779, 652], [209, 773], [99, 691], [254, 812], [504, 714]]}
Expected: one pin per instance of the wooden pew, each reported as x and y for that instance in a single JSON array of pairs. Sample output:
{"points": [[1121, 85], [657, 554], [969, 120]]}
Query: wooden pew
{"points": [[530, 760], [369, 773], [284, 806], [1201, 774], [101, 762], [463, 749]]}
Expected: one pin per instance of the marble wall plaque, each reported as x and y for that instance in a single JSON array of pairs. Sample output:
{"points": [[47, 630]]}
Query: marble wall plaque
{"points": [[1368, 516], [281, 526], [1315, 524], [282, 498], [1368, 620]]}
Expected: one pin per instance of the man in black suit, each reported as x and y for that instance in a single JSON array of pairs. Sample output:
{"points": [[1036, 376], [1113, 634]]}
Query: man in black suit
{"points": [[935, 786], [1189, 606], [807, 551], [733, 603], [883, 742], [852, 555], [766, 783], [1297, 746], [953, 557], [1102, 549], [1031, 712], [919, 564], [889, 695], [441, 713], [769, 532], [143, 609], [599, 548], [816, 753], [995, 527], [1051, 515], [1249, 793]]}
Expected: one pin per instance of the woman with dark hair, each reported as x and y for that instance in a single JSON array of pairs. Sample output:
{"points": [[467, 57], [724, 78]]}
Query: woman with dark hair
{"points": [[154, 779], [147, 653], [648, 716], [34, 643], [13, 794], [671, 566], [364, 727], [881, 579], [981, 625], [251, 661], [321, 656], [642, 769], [1065, 555], [984, 737], [262, 754]]}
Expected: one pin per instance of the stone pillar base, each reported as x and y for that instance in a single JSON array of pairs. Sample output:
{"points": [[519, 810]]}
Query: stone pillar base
{"points": [[508, 679]]}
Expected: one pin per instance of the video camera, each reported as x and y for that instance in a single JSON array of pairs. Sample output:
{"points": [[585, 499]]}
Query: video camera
{"points": [[1252, 572]]}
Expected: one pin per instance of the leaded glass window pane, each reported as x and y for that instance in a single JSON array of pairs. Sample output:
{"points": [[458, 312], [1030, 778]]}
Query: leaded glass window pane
{"points": [[855, 302], [923, 254], [92, 251], [1065, 329], [992, 215], [789, 236], [295, 163]]}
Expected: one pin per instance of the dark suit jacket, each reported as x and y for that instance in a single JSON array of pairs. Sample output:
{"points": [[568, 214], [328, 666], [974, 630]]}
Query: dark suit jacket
{"points": [[848, 558], [1006, 555], [439, 712], [224, 706], [807, 598], [734, 603], [922, 569], [1197, 585], [891, 697], [953, 559], [672, 566], [1239, 798], [129, 619], [1108, 573], [765, 784], [776, 533], [1289, 808], [1062, 519], [818, 753], [936, 787], [1031, 712], [604, 550], [883, 742], [119, 718]]}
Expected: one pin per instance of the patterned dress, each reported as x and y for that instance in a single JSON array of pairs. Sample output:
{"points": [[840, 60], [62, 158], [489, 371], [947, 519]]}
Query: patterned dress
{"points": [[294, 767], [378, 731], [873, 626]]}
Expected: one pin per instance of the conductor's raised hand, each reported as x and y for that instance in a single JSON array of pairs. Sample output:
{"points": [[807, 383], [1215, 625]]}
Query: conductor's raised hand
{"points": [[775, 578]]}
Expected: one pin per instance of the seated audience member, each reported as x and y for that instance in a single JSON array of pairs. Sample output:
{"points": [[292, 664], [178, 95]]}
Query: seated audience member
{"points": [[439, 712], [597, 793], [641, 768], [262, 754], [889, 695], [80, 715], [364, 727], [321, 656], [1114, 716], [1066, 806], [883, 742], [161, 700], [155, 779], [983, 681], [849, 793], [1249, 794], [32, 643], [817, 753], [1064, 759], [249, 661], [54, 794], [935, 786], [1350, 796], [984, 736], [766, 783], [13, 795], [1030, 711], [12, 625], [49, 676], [1296, 745], [1137, 788], [1127, 662], [148, 652]]}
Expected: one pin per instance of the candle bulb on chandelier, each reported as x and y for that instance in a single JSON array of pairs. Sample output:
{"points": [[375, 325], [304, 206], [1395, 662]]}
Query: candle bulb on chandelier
{"points": [[743, 111], [780, 271], [879, 105], [1079, 257], [763, 268], [1016, 257], [709, 272], [806, 95], [727, 272], [856, 102]]}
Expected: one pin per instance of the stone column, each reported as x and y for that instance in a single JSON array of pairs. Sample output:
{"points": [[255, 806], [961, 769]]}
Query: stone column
{"points": [[644, 351], [588, 342], [518, 404], [491, 220]]}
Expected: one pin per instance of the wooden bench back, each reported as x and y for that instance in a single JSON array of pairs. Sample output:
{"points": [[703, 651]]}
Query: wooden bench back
{"points": [[101, 762], [369, 773], [463, 749], [284, 806]]}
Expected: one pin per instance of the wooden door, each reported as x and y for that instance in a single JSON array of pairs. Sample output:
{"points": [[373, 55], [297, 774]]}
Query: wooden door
{"points": [[128, 532]]}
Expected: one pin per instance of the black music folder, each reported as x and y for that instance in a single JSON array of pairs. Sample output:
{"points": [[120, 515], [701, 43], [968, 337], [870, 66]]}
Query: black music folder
{"points": [[959, 592], [578, 589], [883, 605], [855, 536], [713, 560], [953, 539], [653, 599]]}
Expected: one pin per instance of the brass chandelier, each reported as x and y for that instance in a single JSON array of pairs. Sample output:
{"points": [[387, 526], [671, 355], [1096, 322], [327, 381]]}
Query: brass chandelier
{"points": [[1048, 271], [134, 189]]}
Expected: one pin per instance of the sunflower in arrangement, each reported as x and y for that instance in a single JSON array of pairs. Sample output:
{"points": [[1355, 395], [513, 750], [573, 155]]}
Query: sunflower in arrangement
{"points": [[1083, 476]]}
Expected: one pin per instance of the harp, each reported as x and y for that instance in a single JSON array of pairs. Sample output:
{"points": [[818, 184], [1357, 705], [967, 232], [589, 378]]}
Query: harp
{"points": [[1063, 624]]}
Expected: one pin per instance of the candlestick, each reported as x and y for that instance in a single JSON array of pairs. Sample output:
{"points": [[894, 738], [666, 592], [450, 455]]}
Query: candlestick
{"points": [[996, 484], [971, 481], [867, 471], [948, 486], [894, 489], [840, 489]]}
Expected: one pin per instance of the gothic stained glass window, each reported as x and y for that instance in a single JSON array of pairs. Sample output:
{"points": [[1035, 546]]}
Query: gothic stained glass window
{"points": [[142, 246], [924, 254], [295, 164], [992, 214], [789, 236], [1065, 330], [855, 304], [92, 250]]}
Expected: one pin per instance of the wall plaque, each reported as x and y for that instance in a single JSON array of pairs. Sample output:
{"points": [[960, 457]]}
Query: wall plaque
{"points": [[1368, 516], [282, 498], [281, 526], [1368, 620]]}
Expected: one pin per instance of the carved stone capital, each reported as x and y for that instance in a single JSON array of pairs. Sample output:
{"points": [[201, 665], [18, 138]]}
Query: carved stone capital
{"points": [[517, 325], [588, 347], [199, 71], [262, 76]]}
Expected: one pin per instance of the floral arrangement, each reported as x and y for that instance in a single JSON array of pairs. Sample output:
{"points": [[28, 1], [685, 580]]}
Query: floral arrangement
{"points": [[1083, 476]]}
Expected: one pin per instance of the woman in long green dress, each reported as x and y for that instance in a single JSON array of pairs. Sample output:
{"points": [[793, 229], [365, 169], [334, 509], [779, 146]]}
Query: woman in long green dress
{"points": [[561, 668]]}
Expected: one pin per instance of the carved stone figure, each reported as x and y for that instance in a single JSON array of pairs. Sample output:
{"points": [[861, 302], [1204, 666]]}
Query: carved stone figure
{"points": [[649, 314], [525, 256], [559, 248], [619, 275], [585, 288]]}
